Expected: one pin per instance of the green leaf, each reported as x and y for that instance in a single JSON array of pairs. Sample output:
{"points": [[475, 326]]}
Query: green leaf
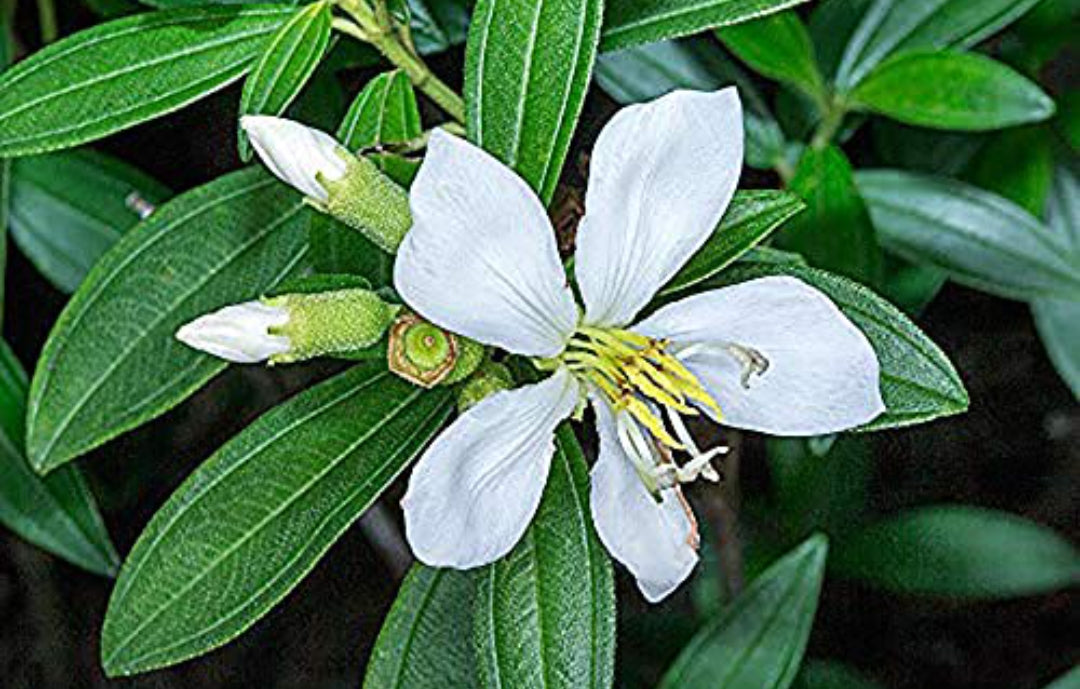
{"points": [[826, 674], [960, 552], [5, 214], [835, 232], [945, 90], [925, 150], [1017, 164], [893, 26], [384, 112], [1070, 680], [288, 60], [111, 361], [424, 643], [118, 74], [779, 47], [645, 72], [758, 642], [918, 382], [57, 513], [979, 238], [438, 25], [831, 25], [69, 208], [750, 218], [249, 523], [633, 22], [545, 614], [527, 68]]}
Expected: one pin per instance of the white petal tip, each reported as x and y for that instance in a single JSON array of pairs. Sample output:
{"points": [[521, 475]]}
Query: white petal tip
{"points": [[237, 333], [295, 153]]}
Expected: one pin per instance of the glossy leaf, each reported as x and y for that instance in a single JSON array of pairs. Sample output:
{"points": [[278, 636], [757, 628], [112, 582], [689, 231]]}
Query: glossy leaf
{"points": [[424, 642], [247, 526], [1070, 680], [438, 25], [1017, 164], [926, 150], [118, 74], [979, 238], [959, 551], [645, 72], [57, 513], [826, 674], [287, 62], [633, 22], [777, 46], [545, 614], [69, 208], [889, 27], [384, 112], [750, 218], [835, 232], [832, 24], [528, 64], [758, 642], [945, 90], [918, 382], [5, 215], [111, 362]]}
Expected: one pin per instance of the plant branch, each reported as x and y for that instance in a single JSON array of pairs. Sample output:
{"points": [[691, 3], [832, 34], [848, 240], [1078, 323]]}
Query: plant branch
{"points": [[47, 20]]}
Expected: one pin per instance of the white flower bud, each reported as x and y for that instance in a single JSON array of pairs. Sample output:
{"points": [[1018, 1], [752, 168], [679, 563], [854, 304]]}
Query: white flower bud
{"points": [[297, 154], [239, 333]]}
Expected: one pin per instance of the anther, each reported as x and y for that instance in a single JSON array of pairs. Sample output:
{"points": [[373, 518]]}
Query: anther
{"points": [[753, 362]]}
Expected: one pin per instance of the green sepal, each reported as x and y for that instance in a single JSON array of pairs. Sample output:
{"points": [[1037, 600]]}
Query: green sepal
{"points": [[489, 378], [330, 322], [367, 200]]}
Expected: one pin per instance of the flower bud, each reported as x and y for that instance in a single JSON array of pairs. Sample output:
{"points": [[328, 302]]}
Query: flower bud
{"points": [[350, 188], [489, 378], [292, 327], [425, 354]]}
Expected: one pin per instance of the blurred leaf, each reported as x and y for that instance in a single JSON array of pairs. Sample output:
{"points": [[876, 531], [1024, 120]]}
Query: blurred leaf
{"points": [[118, 74], [384, 112], [254, 519], [979, 238], [1017, 164], [323, 104], [287, 61], [892, 26], [945, 90], [777, 46], [918, 382], [749, 219], [110, 9], [911, 286], [958, 551], [831, 25], [1070, 680], [69, 208], [111, 361], [646, 72], [925, 150], [527, 68], [438, 24], [827, 674], [545, 614], [633, 22], [57, 513], [5, 214], [758, 642], [424, 642], [835, 232]]}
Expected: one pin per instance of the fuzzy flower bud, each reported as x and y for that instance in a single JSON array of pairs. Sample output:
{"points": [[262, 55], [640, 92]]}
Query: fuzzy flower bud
{"points": [[292, 327], [490, 378], [350, 188]]}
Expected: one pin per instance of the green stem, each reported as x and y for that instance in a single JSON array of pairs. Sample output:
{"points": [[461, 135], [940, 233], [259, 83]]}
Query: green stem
{"points": [[47, 19], [830, 125], [388, 42]]}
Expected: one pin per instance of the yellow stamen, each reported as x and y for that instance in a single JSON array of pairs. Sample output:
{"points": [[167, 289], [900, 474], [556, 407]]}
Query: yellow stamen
{"points": [[641, 413]]}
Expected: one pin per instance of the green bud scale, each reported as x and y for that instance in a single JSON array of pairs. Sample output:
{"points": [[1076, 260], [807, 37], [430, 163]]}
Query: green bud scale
{"points": [[325, 323], [369, 201]]}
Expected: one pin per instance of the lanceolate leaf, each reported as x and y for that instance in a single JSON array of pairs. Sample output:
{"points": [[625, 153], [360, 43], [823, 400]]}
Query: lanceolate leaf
{"points": [[633, 22], [945, 90], [438, 24], [5, 214], [69, 208], [247, 526], [779, 47], [57, 513], [545, 614], [1070, 680], [527, 67], [111, 361], [892, 26], [127, 71], [384, 112], [288, 60], [759, 641], [960, 551], [425, 642], [979, 238], [750, 218], [918, 381]]}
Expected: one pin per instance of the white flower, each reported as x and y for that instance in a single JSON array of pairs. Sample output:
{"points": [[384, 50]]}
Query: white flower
{"points": [[295, 153], [772, 354], [239, 333]]}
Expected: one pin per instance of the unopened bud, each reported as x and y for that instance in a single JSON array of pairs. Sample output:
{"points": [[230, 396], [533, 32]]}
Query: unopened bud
{"points": [[490, 378], [425, 354]]}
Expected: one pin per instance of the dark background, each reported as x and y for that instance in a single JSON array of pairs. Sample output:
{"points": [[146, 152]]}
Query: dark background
{"points": [[1017, 450]]}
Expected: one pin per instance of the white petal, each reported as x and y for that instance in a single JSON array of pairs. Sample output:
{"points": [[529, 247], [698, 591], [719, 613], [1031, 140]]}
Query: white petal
{"points": [[480, 259], [657, 542], [662, 175], [238, 333], [295, 153], [475, 490], [823, 375]]}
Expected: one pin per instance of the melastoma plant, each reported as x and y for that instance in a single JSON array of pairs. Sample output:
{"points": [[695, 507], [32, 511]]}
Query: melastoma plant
{"points": [[480, 324]]}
